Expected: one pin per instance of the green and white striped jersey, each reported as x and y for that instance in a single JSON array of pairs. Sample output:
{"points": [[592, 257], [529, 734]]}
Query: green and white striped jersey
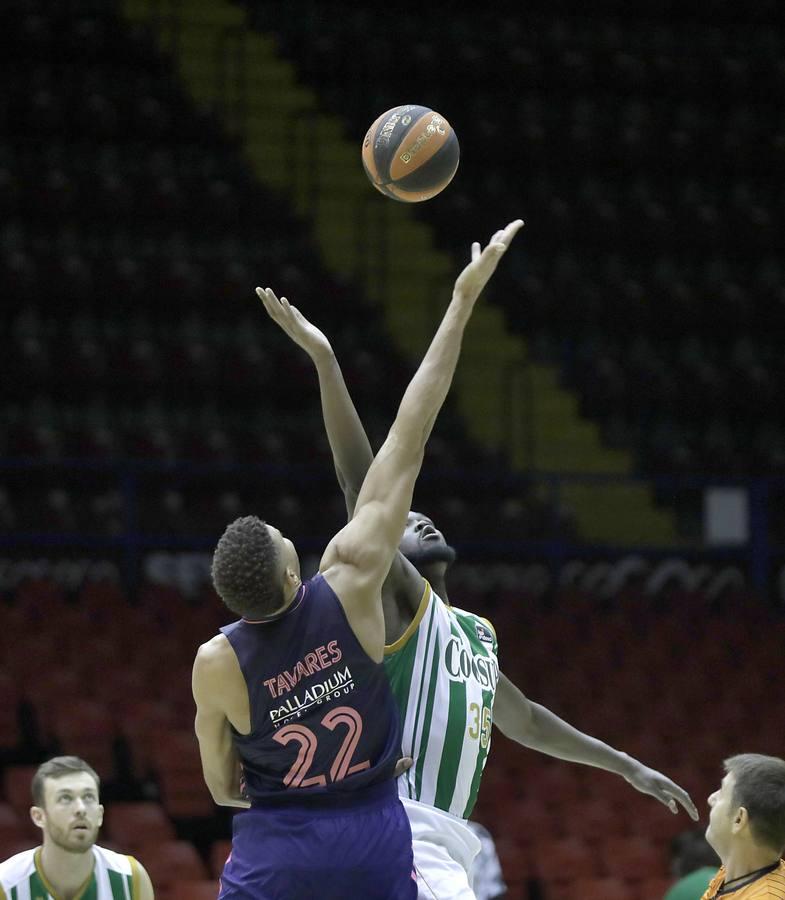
{"points": [[443, 671], [114, 877]]}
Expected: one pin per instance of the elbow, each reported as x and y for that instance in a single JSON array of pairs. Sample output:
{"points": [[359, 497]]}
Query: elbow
{"points": [[220, 791]]}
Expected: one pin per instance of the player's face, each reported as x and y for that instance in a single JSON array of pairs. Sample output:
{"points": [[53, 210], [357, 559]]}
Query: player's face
{"points": [[71, 814], [721, 815], [286, 551], [423, 543]]}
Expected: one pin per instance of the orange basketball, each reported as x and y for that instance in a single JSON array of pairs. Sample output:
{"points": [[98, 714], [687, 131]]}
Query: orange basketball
{"points": [[410, 153]]}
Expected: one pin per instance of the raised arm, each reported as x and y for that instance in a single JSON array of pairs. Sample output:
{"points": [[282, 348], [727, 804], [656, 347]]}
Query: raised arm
{"points": [[352, 454], [357, 559]]}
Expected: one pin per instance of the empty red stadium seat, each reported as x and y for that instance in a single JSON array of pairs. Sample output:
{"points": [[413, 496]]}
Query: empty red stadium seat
{"points": [[184, 794], [652, 888], [193, 890], [86, 728], [564, 859], [603, 888], [632, 857], [137, 824], [12, 847], [11, 824], [9, 703], [170, 861], [16, 788]]}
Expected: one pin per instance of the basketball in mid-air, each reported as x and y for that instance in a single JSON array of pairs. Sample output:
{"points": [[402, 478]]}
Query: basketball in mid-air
{"points": [[410, 153]]}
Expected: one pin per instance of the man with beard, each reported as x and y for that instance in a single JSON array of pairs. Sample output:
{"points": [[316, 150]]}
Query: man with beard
{"points": [[442, 665], [69, 865]]}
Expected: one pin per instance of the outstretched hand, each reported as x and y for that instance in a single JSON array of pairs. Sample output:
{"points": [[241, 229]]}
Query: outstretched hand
{"points": [[294, 323], [477, 274], [655, 784]]}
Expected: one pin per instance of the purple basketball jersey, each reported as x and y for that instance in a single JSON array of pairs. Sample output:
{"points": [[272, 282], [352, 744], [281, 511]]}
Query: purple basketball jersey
{"points": [[323, 718]]}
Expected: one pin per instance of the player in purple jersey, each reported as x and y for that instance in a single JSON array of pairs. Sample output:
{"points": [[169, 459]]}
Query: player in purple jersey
{"points": [[295, 719]]}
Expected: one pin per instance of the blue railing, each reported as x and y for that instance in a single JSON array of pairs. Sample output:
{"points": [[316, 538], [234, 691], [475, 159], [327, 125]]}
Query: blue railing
{"points": [[755, 549]]}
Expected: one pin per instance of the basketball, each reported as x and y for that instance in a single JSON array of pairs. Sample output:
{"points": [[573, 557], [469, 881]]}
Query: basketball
{"points": [[410, 153]]}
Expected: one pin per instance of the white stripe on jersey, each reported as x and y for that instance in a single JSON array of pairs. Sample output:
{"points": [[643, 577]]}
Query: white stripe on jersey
{"points": [[417, 701], [441, 713]]}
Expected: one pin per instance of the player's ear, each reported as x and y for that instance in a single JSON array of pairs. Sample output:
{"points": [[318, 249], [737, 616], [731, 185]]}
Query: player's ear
{"points": [[37, 815], [740, 820]]}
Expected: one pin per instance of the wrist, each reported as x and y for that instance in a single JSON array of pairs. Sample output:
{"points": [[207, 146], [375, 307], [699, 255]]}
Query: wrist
{"points": [[323, 356]]}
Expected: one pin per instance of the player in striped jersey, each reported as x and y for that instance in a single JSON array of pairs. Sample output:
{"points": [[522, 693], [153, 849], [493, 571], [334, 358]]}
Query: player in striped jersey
{"points": [[69, 865], [443, 668], [747, 829]]}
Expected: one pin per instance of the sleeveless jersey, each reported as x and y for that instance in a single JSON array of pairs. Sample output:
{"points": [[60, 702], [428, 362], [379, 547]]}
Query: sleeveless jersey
{"points": [[323, 719], [115, 877], [444, 671]]}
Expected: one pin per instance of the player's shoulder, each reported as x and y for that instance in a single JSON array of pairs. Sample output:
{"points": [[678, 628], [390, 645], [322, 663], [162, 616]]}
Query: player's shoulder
{"points": [[474, 617], [17, 867], [215, 651], [113, 859]]}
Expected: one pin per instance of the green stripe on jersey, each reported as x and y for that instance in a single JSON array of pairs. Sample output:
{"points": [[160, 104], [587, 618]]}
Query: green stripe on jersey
{"points": [[432, 681], [453, 747], [36, 886], [120, 884], [444, 676]]}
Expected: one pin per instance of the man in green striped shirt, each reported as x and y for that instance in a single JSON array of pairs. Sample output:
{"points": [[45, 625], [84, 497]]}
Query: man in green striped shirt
{"points": [[442, 664], [69, 865]]}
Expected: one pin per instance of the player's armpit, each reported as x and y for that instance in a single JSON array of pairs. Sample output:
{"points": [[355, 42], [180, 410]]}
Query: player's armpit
{"points": [[512, 711], [358, 558]]}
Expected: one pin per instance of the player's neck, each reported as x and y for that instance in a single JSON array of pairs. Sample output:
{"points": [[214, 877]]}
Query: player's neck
{"points": [[746, 859], [66, 872], [435, 574]]}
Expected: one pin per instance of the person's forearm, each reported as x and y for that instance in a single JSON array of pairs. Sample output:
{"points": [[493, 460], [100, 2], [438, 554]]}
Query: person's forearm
{"points": [[549, 734], [224, 792], [349, 443], [428, 388]]}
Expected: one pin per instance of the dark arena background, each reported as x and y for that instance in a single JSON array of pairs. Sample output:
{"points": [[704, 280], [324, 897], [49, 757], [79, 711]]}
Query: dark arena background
{"points": [[610, 464]]}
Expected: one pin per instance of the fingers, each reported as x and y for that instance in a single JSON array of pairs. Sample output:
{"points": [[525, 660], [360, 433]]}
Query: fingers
{"points": [[511, 230], [274, 306], [673, 794], [402, 765], [500, 241]]}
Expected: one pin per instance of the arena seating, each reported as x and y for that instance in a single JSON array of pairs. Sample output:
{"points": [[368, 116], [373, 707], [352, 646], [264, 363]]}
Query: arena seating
{"points": [[646, 163], [615, 667]]}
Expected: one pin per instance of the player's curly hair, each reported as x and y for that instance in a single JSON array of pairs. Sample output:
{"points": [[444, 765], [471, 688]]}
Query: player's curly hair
{"points": [[246, 569]]}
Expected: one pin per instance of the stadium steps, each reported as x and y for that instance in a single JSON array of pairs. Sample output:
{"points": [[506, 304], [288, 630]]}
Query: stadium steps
{"points": [[293, 148]]}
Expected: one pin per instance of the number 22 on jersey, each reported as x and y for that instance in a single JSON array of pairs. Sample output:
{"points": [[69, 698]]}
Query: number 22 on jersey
{"points": [[308, 741]]}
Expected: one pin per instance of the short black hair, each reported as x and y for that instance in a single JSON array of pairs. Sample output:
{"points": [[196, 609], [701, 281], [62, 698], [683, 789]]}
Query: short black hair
{"points": [[246, 569], [56, 768], [759, 786]]}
